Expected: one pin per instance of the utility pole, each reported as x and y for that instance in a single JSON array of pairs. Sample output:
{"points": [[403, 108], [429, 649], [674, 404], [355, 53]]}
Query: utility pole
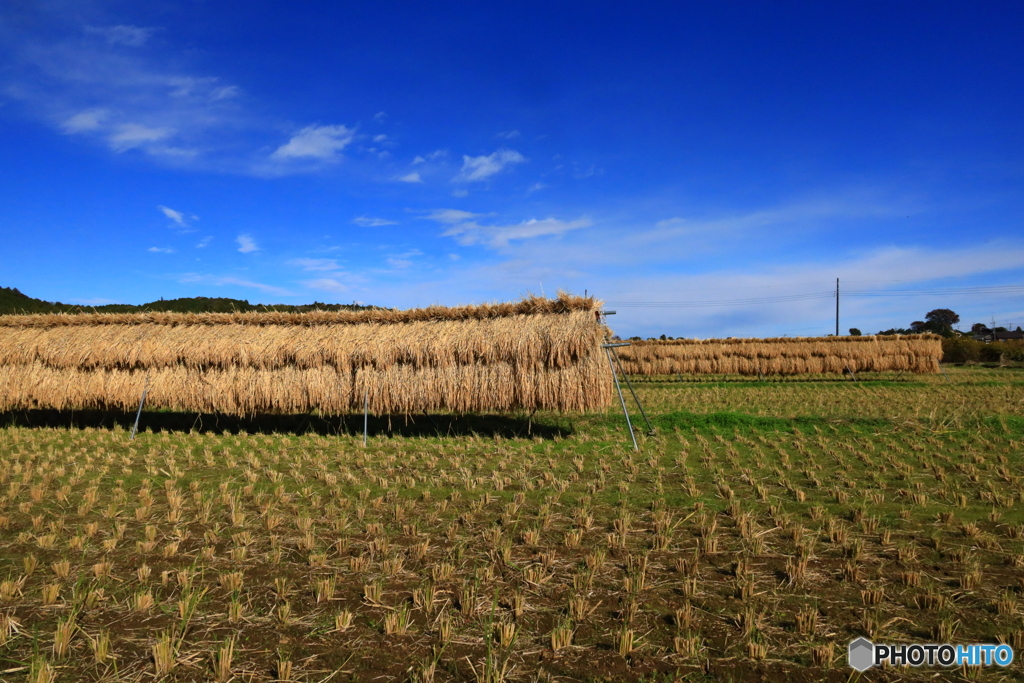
{"points": [[837, 307]]}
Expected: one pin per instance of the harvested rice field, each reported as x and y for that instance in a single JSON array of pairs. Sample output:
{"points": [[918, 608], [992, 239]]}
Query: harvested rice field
{"points": [[761, 529]]}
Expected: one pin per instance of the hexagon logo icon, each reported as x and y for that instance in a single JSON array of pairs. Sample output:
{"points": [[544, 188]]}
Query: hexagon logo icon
{"points": [[861, 654]]}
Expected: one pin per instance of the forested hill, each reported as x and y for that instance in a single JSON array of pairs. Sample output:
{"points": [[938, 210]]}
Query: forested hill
{"points": [[14, 302]]}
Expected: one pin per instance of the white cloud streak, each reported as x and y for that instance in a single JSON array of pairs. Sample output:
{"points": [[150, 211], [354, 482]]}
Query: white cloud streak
{"points": [[368, 222], [468, 231], [327, 284], [246, 244], [315, 264], [176, 216], [224, 281], [130, 36], [476, 169], [322, 143]]}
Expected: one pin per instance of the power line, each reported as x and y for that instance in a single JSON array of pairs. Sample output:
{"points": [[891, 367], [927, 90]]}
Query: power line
{"points": [[808, 296], [724, 302]]}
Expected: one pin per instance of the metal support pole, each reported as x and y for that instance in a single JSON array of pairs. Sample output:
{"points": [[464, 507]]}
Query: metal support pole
{"points": [[138, 413], [943, 371], [366, 416], [837, 307], [622, 400], [650, 427], [850, 370]]}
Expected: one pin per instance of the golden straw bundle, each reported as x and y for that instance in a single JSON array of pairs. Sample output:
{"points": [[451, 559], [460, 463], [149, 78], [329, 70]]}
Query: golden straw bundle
{"points": [[534, 354], [918, 353]]}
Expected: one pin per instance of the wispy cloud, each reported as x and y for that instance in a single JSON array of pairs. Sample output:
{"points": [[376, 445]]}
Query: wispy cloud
{"points": [[413, 177], [315, 264], [452, 216], [327, 284], [404, 260], [322, 143], [131, 36], [223, 281], [246, 244], [368, 222], [123, 99], [176, 216], [475, 169], [203, 243], [432, 156], [84, 121], [889, 268], [508, 135], [161, 250], [467, 231], [132, 135]]}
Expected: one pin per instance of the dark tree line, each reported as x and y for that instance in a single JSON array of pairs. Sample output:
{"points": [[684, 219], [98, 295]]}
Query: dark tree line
{"points": [[14, 302]]}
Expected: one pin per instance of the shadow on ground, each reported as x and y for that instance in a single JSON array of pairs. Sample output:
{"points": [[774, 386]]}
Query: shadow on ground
{"points": [[423, 425]]}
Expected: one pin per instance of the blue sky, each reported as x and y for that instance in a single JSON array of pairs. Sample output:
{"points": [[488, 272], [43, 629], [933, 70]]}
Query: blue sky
{"points": [[654, 154]]}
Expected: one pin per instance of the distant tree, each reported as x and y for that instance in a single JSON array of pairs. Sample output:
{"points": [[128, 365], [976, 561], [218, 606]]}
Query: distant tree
{"points": [[941, 321], [979, 328], [854, 332], [662, 338], [918, 326]]}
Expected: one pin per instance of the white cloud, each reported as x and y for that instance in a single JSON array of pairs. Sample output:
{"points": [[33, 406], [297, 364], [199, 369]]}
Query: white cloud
{"points": [[204, 242], [535, 187], [327, 284], [380, 116], [246, 244], [510, 135], [86, 83], [460, 193], [316, 142], [411, 178], [84, 121], [404, 260], [367, 222], [269, 289], [315, 264], [452, 216], [380, 138], [161, 250], [433, 156], [915, 268], [132, 36], [475, 169], [177, 216], [192, 278], [469, 232], [131, 135]]}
